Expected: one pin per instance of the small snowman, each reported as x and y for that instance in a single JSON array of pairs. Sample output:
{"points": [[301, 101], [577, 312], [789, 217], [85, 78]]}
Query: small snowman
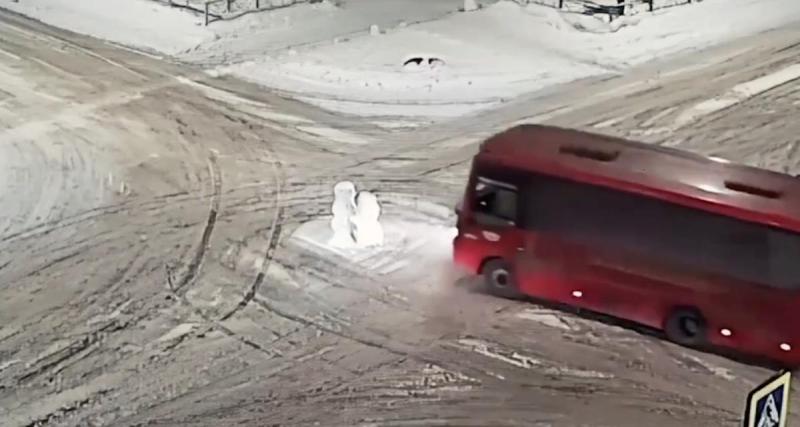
{"points": [[366, 228], [343, 208]]}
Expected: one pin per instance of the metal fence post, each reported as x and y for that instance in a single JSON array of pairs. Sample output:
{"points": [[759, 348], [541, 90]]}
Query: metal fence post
{"points": [[206, 13], [560, 4], [650, 4], [258, 4], [228, 5]]}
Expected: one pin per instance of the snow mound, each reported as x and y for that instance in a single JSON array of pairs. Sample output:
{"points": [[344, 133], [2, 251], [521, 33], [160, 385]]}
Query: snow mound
{"points": [[596, 24], [416, 234], [407, 244]]}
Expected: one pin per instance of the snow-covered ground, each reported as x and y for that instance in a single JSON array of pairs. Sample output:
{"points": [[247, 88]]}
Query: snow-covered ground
{"points": [[324, 54], [141, 24], [517, 50]]}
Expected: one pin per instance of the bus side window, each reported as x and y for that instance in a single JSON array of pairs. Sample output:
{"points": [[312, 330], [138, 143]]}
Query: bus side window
{"points": [[495, 204]]}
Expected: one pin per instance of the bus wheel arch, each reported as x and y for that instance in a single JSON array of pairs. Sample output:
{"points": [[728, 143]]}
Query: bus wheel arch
{"points": [[687, 326], [498, 278]]}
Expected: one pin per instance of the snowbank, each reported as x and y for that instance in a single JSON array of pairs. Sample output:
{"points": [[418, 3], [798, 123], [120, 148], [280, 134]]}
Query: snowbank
{"points": [[137, 23], [518, 49], [252, 36]]}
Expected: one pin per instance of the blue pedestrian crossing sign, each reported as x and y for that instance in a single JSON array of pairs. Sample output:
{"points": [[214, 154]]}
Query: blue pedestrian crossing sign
{"points": [[768, 404]]}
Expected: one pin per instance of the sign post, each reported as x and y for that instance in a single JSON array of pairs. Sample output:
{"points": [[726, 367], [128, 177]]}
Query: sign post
{"points": [[768, 404]]}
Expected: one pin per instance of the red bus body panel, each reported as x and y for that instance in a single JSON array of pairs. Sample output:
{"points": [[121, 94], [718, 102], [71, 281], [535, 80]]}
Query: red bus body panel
{"points": [[761, 319]]}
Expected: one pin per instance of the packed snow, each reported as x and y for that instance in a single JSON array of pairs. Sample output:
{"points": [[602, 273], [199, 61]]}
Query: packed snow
{"points": [[385, 239]]}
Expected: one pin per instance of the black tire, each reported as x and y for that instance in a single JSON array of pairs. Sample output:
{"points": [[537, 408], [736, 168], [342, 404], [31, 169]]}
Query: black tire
{"points": [[687, 326], [499, 280]]}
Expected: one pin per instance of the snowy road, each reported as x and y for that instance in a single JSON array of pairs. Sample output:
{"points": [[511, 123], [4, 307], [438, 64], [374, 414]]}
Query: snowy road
{"points": [[149, 271]]}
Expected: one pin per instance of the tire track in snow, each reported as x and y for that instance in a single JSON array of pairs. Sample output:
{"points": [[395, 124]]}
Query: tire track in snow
{"points": [[197, 262], [274, 238]]}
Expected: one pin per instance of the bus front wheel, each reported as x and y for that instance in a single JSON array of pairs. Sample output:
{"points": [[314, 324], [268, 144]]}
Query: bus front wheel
{"points": [[498, 277], [686, 326]]}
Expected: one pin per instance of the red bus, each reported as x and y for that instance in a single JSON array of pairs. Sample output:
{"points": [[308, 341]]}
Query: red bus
{"points": [[704, 249]]}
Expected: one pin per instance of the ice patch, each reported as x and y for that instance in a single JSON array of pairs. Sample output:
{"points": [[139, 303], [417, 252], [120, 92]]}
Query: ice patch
{"points": [[437, 379], [512, 358], [716, 370], [739, 93], [526, 362], [608, 123], [5, 365], [177, 332], [545, 317], [333, 135]]}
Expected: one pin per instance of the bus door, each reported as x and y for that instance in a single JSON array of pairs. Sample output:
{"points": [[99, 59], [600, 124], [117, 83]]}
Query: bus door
{"points": [[495, 216]]}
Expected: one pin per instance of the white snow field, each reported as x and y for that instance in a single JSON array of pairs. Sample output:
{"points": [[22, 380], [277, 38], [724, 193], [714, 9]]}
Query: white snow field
{"points": [[141, 24], [451, 63], [516, 50]]}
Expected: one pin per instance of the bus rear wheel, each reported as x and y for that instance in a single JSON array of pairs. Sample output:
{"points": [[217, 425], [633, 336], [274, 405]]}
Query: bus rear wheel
{"points": [[498, 277], [687, 326]]}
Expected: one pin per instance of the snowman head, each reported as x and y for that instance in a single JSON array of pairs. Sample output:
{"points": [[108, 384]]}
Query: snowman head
{"points": [[345, 191], [367, 206]]}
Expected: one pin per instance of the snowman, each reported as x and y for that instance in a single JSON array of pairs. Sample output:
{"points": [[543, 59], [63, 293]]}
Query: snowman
{"points": [[366, 228], [343, 208]]}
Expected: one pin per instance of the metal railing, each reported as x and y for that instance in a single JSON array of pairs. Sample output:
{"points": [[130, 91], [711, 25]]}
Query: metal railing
{"points": [[229, 9], [610, 7]]}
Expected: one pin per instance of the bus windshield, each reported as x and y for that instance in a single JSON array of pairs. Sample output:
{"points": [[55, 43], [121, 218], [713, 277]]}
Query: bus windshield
{"points": [[675, 234]]}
